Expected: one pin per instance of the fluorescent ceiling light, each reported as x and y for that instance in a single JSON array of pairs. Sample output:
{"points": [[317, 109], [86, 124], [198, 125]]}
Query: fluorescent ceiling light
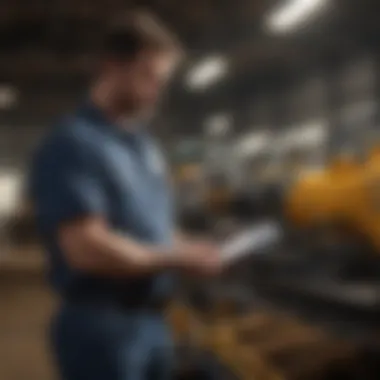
{"points": [[292, 14], [252, 144], [8, 97], [206, 73], [10, 186], [218, 125], [312, 133]]}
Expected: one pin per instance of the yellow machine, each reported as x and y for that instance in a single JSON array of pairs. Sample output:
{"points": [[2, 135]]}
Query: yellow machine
{"points": [[322, 196], [345, 194]]}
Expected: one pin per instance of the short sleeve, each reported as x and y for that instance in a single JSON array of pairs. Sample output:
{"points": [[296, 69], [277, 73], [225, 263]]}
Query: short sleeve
{"points": [[64, 182]]}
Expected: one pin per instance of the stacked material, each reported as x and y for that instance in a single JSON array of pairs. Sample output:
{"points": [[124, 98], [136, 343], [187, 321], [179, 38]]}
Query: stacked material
{"points": [[267, 347]]}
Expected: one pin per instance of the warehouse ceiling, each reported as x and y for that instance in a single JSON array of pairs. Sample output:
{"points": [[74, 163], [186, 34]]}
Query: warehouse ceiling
{"points": [[71, 29], [50, 46]]}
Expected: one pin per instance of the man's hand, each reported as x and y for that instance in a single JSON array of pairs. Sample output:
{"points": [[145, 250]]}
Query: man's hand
{"points": [[90, 246], [198, 258]]}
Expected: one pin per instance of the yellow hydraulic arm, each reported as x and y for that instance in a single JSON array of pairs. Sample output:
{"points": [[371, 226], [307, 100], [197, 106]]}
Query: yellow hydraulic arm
{"points": [[346, 193]]}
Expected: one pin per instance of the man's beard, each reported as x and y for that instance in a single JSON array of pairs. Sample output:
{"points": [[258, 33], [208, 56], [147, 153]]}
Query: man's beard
{"points": [[135, 107]]}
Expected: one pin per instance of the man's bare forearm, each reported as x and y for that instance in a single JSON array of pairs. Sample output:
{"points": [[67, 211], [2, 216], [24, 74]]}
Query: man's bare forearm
{"points": [[120, 256], [182, 239], [103, 252]]}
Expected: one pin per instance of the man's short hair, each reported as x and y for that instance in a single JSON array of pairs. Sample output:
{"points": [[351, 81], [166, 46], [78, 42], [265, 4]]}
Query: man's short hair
{"points": [[136, 31]]}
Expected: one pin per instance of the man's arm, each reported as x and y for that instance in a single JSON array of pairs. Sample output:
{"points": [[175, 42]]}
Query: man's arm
{"points": [[70, 201], [90, 246]]}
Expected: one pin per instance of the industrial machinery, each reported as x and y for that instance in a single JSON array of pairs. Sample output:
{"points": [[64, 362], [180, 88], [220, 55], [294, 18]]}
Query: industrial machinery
{"points": [[327, 269], [344, 196]]}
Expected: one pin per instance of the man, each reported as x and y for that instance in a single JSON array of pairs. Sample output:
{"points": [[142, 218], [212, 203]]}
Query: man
{"points": [[104, 209]]}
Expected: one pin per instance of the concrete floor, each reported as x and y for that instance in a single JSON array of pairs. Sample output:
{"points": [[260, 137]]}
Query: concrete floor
{"points": [[25, 307]]}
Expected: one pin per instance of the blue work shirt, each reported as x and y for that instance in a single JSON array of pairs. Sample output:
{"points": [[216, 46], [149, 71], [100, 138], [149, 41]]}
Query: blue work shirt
{"points": [[88, 166]]}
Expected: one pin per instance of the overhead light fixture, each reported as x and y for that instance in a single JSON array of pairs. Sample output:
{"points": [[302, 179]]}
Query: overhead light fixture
{"points": [[292, 14], [10, 185], [206, 73], [218, 125], [252, 144], [312, 133], [8, 97]]}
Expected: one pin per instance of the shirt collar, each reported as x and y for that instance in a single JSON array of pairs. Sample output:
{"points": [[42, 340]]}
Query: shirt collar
{"points": [[92, 112]]}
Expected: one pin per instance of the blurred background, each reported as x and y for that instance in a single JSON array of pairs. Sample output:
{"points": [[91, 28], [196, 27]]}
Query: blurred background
{"points": [[273, 115]]}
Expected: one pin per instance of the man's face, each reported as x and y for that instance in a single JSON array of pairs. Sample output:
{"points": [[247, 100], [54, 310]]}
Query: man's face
{"points": [[138, 84]]}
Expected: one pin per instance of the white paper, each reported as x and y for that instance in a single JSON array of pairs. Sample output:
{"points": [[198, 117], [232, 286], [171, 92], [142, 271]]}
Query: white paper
{"points": [[251, 241]]}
